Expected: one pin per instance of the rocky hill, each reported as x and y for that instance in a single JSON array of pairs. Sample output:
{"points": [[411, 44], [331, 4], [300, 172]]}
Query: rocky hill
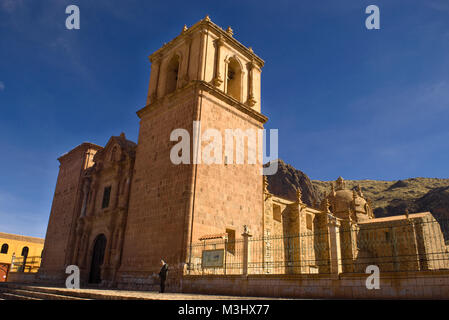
{"points": [[287, 179], [388, 197], [394, 197]]}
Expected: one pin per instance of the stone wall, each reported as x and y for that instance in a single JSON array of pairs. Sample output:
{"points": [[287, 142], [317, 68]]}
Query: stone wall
{"points": [[393, 285], [227, 196], [160, 192], [21, 277], [66, 204]]}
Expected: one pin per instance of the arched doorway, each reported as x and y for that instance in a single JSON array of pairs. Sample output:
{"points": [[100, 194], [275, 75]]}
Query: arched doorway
{"points": [[97, 259]]}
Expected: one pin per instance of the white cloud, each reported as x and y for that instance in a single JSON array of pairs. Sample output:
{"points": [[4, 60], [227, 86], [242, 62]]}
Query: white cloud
{"points": [[2, 86]]}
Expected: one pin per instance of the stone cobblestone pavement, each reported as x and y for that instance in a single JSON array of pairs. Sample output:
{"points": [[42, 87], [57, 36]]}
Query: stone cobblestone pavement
{"points": [[154, 295]]}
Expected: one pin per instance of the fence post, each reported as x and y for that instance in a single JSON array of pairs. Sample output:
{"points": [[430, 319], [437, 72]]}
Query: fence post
{"points": [[225, 254], [13, 259], [246, 250], [334, 245]]}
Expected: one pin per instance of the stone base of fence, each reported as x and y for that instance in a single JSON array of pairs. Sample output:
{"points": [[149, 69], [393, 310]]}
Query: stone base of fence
{"points": [[393, 285], [22, 277]]}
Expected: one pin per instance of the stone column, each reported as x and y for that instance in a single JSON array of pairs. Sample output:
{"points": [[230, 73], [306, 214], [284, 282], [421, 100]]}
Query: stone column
{"points": [[115, 191], [251, 101], [349, 247], [217, 79], [202, 57], [86, 188], [415, 242], [246, 257], [186, 77], [333, 226], [79, 235], [157, 61], [92, 201], [84, 247], [109, 240]]}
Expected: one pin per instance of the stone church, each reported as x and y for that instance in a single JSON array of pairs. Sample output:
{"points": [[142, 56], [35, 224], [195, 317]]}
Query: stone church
{"points": [[119, 209]]}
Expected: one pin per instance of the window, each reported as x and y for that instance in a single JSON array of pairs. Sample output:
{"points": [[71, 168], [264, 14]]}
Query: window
{"points": [[277, 215], [25, 252], [231, 241], [172, 75], [233, 79], [24, 262], [5, 248], [106, 197]]}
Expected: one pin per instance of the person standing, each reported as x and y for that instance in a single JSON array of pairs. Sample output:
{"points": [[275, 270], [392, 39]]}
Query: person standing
{"points": [[163, 275]]}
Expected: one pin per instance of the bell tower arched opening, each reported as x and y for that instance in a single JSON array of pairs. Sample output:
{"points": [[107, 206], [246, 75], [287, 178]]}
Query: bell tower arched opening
{"points": [[234, 79], [172, 74]]}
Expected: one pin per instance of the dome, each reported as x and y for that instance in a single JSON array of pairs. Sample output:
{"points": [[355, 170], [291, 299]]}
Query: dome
{"points": [[345, 202], [343, 195], [341, 202]]}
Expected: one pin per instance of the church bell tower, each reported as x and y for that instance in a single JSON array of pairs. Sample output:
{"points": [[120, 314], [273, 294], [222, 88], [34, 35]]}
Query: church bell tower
{"points": [[205, 76]]}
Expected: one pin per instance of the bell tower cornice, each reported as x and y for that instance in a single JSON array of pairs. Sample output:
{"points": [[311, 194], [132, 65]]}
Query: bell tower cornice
{"points": [[206, 25], [204, 86]]}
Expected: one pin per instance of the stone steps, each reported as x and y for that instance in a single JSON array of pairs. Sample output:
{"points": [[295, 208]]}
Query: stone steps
{"points": [[14, 296], [23, 292], [44, 295], [56, 293]]}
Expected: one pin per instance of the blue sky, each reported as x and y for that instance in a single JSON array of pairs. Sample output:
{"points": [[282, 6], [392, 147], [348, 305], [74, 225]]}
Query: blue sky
{"points": [[347, 101]]}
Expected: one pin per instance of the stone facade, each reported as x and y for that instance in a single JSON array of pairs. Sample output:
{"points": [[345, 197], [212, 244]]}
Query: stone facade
{"points": [[65, 210]]}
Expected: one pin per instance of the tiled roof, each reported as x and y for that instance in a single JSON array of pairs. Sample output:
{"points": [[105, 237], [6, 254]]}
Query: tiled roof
{"points": [[214, 236]]}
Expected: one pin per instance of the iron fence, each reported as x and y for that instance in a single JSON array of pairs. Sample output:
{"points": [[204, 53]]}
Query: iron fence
{"points": [[26, 264], [396, 245]]}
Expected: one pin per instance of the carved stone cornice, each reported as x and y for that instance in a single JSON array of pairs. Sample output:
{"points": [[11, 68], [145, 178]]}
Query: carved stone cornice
{"points": [[202, 85], [156, 58], [207, 24]]}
